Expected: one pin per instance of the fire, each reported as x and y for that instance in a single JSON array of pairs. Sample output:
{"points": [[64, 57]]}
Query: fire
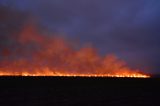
{"points": [[76, 75], [52, 73], [34, 54], [67, 73]]}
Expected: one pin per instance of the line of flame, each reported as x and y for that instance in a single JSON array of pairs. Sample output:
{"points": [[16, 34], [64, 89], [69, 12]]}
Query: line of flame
{"points": [[134, 75]]}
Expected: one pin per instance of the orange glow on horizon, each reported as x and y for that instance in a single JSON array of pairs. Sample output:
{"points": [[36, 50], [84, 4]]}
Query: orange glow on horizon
{"points": [[57, 74], [34, 54]]}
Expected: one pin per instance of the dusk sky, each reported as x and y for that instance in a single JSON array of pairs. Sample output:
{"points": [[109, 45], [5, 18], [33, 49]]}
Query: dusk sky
{"points": [[130, 29]]}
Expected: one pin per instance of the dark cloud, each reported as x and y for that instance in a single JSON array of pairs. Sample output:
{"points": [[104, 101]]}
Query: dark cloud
{"points": [[127, 28]]}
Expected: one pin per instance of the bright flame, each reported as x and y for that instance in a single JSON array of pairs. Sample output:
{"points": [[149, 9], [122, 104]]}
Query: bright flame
{"points": [[134, 75], [33, 54], [48, 72]]}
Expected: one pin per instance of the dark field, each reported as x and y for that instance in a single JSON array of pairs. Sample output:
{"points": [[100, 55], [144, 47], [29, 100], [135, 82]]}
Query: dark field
{"points": [[77, 91]]}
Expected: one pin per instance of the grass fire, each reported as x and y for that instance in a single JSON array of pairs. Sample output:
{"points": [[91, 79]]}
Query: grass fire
{"points": [[33, 54]]}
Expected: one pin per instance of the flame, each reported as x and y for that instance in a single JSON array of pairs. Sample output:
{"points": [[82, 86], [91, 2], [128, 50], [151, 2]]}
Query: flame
{"points": [[35, 54], [51, 73]]}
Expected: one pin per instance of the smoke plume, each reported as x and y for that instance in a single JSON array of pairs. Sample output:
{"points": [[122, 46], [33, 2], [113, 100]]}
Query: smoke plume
{"points": [[26, 49]]}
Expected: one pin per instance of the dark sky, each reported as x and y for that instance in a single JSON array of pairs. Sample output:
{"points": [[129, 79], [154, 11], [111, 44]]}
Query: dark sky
{"points": [[128, 28]]}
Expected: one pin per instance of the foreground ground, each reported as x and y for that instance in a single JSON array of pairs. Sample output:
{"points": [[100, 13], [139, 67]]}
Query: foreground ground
{"points": [[67, 91]]}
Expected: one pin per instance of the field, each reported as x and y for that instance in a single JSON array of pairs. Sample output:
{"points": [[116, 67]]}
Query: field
{"points": [[78, 91]]}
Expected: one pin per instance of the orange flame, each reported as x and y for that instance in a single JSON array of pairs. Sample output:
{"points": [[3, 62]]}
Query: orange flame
{"points": [[40, 55]]}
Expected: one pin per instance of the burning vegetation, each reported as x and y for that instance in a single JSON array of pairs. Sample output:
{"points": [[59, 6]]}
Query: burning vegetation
{"points": [[31, 53]]}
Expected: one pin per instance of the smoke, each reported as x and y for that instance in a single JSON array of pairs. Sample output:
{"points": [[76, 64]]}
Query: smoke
{"points": [[30, 51], [130, 29], [25, 48]]}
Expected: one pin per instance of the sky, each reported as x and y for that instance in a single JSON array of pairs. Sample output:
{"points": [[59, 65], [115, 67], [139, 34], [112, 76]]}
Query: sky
{"points": [[130, 29]]}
